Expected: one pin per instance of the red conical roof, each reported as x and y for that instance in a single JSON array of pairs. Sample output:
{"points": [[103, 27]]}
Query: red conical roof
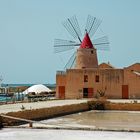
{"points": [[86, 43]]}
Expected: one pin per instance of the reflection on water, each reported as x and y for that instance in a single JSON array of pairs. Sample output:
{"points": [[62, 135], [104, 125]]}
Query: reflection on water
{"points": [[129, 120]]}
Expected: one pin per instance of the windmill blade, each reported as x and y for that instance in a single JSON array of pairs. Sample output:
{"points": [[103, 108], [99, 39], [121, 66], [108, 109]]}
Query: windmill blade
{"points": [[103, 39], [62, 49], [72, 26], [92, 25], [58, 42], [71, 61], [104, 47], [101, 43], [61, 45]]}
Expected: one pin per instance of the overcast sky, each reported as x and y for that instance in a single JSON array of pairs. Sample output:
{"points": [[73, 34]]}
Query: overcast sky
{"points": [[28, 29]]}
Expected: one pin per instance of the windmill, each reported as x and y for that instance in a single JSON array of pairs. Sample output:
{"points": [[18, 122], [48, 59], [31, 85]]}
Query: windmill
{"points": [[84, 55]]}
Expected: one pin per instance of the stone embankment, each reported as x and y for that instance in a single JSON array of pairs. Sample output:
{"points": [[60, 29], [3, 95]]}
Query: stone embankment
{"points": [[1, 124], [60, 108], [44, 113], [122, 105]]}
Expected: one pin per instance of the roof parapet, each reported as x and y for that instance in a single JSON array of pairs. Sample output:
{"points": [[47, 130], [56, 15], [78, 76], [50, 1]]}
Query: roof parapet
{"points": [[61, 73]]}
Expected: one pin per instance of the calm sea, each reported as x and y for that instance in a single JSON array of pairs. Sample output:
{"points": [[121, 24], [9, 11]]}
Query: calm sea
{"points": [[17, 85]]}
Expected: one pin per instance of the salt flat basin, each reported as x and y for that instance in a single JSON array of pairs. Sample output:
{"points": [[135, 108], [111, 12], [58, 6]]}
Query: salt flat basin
{"points": [[45, 134], [105, 120]]}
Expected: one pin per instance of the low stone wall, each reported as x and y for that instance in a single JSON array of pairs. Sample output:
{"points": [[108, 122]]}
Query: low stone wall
{"points": [[122, 106], [106, 105], [1, 125], [44, 113]]}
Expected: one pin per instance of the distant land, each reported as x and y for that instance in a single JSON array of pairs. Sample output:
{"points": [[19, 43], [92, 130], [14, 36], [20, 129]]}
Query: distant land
{"points": [[28, 85]]}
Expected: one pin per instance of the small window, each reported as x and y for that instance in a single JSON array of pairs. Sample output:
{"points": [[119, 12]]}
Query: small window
{"points": [[83, 67], [92, 52], [85, 78], [97, 78]]}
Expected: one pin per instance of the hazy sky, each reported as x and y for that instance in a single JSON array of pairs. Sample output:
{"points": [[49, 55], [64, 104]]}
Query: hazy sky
{"points": [[28, 29]]}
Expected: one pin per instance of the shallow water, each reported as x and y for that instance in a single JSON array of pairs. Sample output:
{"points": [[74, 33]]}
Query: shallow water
{"points": [[116, 120]]}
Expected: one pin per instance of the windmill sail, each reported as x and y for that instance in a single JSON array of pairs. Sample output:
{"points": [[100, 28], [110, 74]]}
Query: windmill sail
{"points": [[71, 61], [61, 45], [92, 25], [72, 26], [101, 43]]}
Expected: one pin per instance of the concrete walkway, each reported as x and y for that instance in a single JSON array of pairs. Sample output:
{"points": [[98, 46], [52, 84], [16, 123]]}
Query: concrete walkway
{"points": [[37, 105], [51, 103]]}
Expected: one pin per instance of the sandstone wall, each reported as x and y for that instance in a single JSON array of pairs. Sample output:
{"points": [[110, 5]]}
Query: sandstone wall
{"points": [[123, 106], [44, 113]]}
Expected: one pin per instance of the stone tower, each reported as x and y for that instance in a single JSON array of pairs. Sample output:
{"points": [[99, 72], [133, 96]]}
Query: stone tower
{"points": [[86, 55]]}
